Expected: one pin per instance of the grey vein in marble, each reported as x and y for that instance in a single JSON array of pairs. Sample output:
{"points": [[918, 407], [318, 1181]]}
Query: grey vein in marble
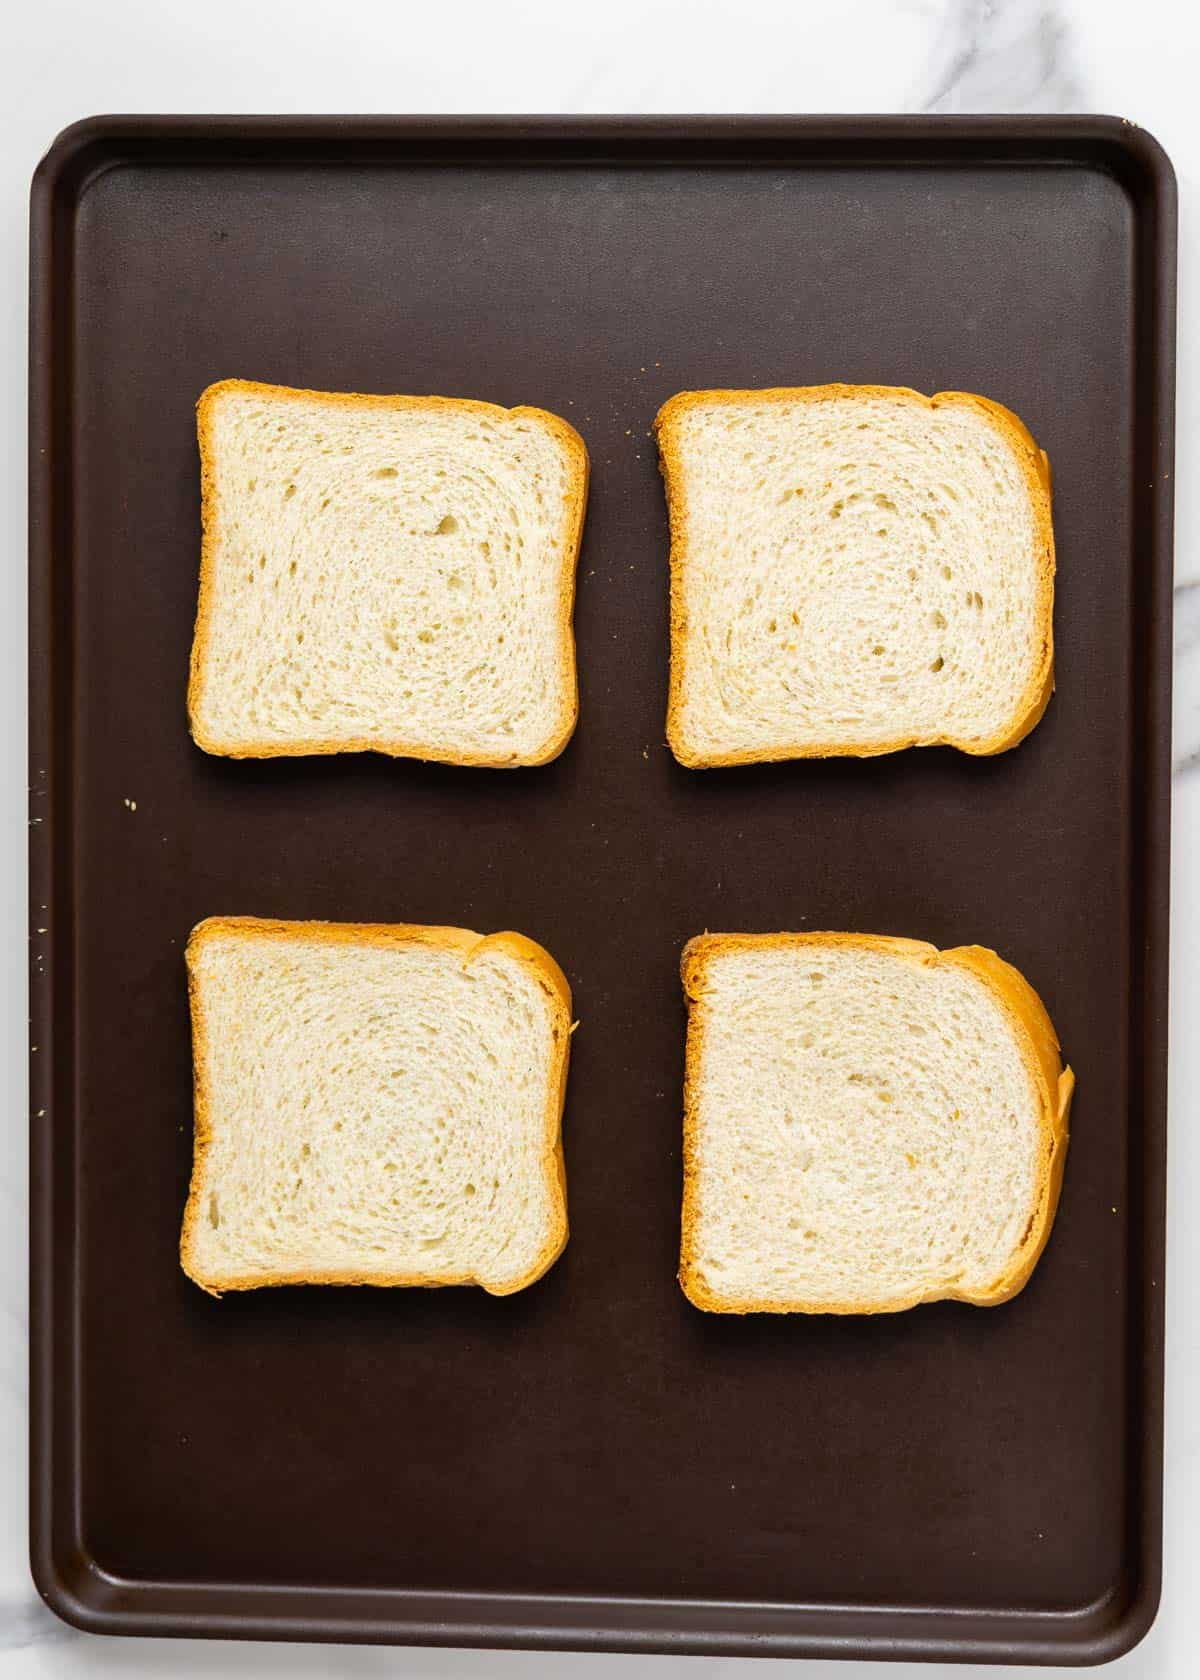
{"points": [[1002, 55], [26, 1621]]}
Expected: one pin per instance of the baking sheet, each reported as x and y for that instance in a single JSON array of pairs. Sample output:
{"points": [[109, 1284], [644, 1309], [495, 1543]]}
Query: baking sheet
{"points": [[592, 1463]]}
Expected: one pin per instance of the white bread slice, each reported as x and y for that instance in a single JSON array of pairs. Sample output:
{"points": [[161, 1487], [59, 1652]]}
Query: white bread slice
{"points": [[386, 574], [854, 569], [374, 1104], [869, 1123]]}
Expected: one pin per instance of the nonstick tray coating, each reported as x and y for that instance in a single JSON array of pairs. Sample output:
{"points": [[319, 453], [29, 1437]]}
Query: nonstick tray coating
{"points": [[592, 1463]]}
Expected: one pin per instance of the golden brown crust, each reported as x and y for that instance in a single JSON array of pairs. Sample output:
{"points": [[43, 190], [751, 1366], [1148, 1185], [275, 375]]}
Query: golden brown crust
{"points": [[1039, 1049], [471, 946], [576, 451], [1035, 466]]}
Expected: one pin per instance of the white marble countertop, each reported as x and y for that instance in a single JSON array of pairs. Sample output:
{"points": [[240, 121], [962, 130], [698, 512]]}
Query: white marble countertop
{"points": [[64, 59]]}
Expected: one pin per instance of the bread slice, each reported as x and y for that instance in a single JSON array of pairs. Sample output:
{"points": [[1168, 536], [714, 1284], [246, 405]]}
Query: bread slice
{"points": [[385, 574], [374, 1105], [869, 1123], [854, 569]]}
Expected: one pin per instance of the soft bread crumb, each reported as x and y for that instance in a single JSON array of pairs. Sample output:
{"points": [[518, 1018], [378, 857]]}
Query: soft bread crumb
{"points": [[390, 574], [855, 569], [868, 1124], [374, 1105]]}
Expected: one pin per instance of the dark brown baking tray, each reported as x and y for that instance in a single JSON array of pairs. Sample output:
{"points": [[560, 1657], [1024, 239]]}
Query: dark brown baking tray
{"points": [[593, 1463]]}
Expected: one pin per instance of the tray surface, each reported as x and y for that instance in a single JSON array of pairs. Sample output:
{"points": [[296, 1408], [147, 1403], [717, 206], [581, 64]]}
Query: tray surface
{"points": [[592, 1462]]}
